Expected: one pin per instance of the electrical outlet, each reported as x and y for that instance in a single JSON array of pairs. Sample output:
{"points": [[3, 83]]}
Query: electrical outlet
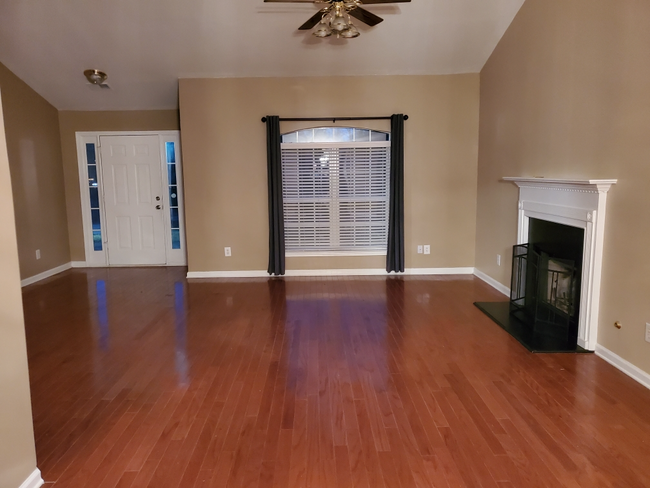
{"points": [[498, 259], [427, 249], [38, 254], [419, 249], [227, 251], [647, 332]]}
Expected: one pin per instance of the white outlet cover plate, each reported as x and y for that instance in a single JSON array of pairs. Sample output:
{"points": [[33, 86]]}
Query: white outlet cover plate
{"points": [[647, 332]]}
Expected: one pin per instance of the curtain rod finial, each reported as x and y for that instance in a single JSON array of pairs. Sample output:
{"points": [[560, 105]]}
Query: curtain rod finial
{"points": [[406, 117], [264, 119]]}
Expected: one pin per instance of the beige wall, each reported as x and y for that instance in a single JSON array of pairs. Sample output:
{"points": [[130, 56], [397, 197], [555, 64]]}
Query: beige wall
{"points": [[33, 144], [17, 454], [566, 94], [224, 158], [71, 122]]}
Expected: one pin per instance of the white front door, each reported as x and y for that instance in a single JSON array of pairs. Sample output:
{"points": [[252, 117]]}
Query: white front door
{"points": [[133, 199]]}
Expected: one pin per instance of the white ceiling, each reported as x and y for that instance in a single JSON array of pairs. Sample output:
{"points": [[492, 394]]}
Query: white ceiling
{"points": [[146, 46]]}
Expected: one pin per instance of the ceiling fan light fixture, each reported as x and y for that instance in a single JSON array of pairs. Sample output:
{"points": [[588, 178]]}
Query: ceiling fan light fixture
{"points": [[351, 32], [323, 30], [95, 76], [338, 22]]}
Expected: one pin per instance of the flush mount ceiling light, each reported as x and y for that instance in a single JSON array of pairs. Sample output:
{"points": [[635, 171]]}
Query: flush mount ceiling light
{"points": [[95, 76], [335, 17]]}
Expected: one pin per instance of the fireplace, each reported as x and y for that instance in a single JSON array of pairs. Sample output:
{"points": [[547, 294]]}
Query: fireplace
{"points": [[570, 259]]}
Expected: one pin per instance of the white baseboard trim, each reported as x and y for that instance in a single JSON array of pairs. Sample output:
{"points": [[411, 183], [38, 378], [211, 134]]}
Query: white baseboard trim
{"points": [[331, 272], [45, 274], [226, 274], [34, 480], [492, 282], [438, 271], [85, 264], [336, 272], [625, 366]]}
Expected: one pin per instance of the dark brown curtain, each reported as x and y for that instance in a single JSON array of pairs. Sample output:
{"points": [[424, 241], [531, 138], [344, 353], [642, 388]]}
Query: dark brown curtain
{"points": [[276, 214], [395, 254]]}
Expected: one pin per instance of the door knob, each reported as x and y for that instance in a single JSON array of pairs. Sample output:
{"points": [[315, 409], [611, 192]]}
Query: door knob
{"points": [[158, 207], [157, 199]]}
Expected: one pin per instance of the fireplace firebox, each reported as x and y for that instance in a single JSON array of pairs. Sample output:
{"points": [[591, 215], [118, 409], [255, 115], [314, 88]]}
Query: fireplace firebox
{"points": [[543, 294]]}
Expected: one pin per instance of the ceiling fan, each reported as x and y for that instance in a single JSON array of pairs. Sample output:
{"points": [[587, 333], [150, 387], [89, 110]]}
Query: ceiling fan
{"points": [[334, 17]]}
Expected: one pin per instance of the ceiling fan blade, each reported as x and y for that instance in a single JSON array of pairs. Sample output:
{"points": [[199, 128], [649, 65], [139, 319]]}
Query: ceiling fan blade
{"points": [[370, 2], [313, 20], [294, 1], [364, 16]]}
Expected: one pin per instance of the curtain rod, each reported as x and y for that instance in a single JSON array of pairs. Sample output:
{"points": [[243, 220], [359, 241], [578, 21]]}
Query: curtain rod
{"points": [[333, 119]]}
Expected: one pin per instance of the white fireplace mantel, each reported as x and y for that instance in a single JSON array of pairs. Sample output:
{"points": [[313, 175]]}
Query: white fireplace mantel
{"points": [[578, 203]]}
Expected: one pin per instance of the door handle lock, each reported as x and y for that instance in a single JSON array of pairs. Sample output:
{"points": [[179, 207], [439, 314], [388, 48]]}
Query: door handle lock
{"points": [[158, 207], [157, 199]]}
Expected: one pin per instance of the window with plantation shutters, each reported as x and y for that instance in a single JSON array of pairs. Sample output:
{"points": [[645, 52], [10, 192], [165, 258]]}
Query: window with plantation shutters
{"points": [[335, 190]]}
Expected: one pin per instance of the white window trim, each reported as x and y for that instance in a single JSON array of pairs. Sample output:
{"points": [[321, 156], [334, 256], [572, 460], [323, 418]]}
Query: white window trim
{"points": [[174, 257]]}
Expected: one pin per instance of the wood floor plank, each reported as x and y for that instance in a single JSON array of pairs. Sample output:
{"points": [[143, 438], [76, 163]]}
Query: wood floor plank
{"points": [[333, 382]]}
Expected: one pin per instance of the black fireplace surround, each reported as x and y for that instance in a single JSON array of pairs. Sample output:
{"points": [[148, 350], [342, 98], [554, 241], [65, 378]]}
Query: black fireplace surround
{"points": [[544, 305]]}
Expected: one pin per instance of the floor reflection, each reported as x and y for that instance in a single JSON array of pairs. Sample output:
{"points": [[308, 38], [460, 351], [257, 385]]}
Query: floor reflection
{"points": [[349, 329], [182, 366], [102, 315]]}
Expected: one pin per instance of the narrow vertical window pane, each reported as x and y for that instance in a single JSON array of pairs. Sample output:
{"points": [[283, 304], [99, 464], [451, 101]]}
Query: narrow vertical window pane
{"points": [[171, 152], [174, 218], [91, 158], [92, 175], [97, 240], [94, 197], [176, 239], [171, 172], [95, 220], [173, 196]]}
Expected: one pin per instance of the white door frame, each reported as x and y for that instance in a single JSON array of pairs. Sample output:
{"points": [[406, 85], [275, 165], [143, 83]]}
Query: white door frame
{"points": [[99, 258]]}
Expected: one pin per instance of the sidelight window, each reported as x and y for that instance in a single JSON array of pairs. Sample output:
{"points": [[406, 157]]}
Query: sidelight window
{"points": [[93, 184]]}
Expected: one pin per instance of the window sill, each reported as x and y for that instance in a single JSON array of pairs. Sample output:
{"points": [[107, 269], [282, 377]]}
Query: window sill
{"points": [[319, 254]]}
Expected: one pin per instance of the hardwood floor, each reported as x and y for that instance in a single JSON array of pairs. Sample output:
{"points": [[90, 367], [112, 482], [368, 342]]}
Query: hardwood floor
{"points": [[140, 378]]}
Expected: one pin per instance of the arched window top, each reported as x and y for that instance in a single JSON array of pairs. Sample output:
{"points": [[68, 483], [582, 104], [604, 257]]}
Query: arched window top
{"points": [[335, 134]]}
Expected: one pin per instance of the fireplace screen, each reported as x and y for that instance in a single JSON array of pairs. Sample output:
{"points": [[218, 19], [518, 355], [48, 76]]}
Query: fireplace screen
{"points": [[544, 291]]}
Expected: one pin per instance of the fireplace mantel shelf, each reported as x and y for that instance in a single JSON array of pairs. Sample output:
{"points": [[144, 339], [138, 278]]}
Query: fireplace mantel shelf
{"points": [[597, 185]]}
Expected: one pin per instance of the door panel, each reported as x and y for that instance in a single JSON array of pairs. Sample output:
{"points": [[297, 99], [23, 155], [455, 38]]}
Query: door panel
{"points": [[132, 178]]}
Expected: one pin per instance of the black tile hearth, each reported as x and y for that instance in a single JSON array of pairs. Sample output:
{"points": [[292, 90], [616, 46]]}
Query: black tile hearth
{"points": [[531, 339]]}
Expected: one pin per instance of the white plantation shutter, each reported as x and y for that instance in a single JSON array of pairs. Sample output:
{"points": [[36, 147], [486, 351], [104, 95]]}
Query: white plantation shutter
{"points": [[335, 196]]}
